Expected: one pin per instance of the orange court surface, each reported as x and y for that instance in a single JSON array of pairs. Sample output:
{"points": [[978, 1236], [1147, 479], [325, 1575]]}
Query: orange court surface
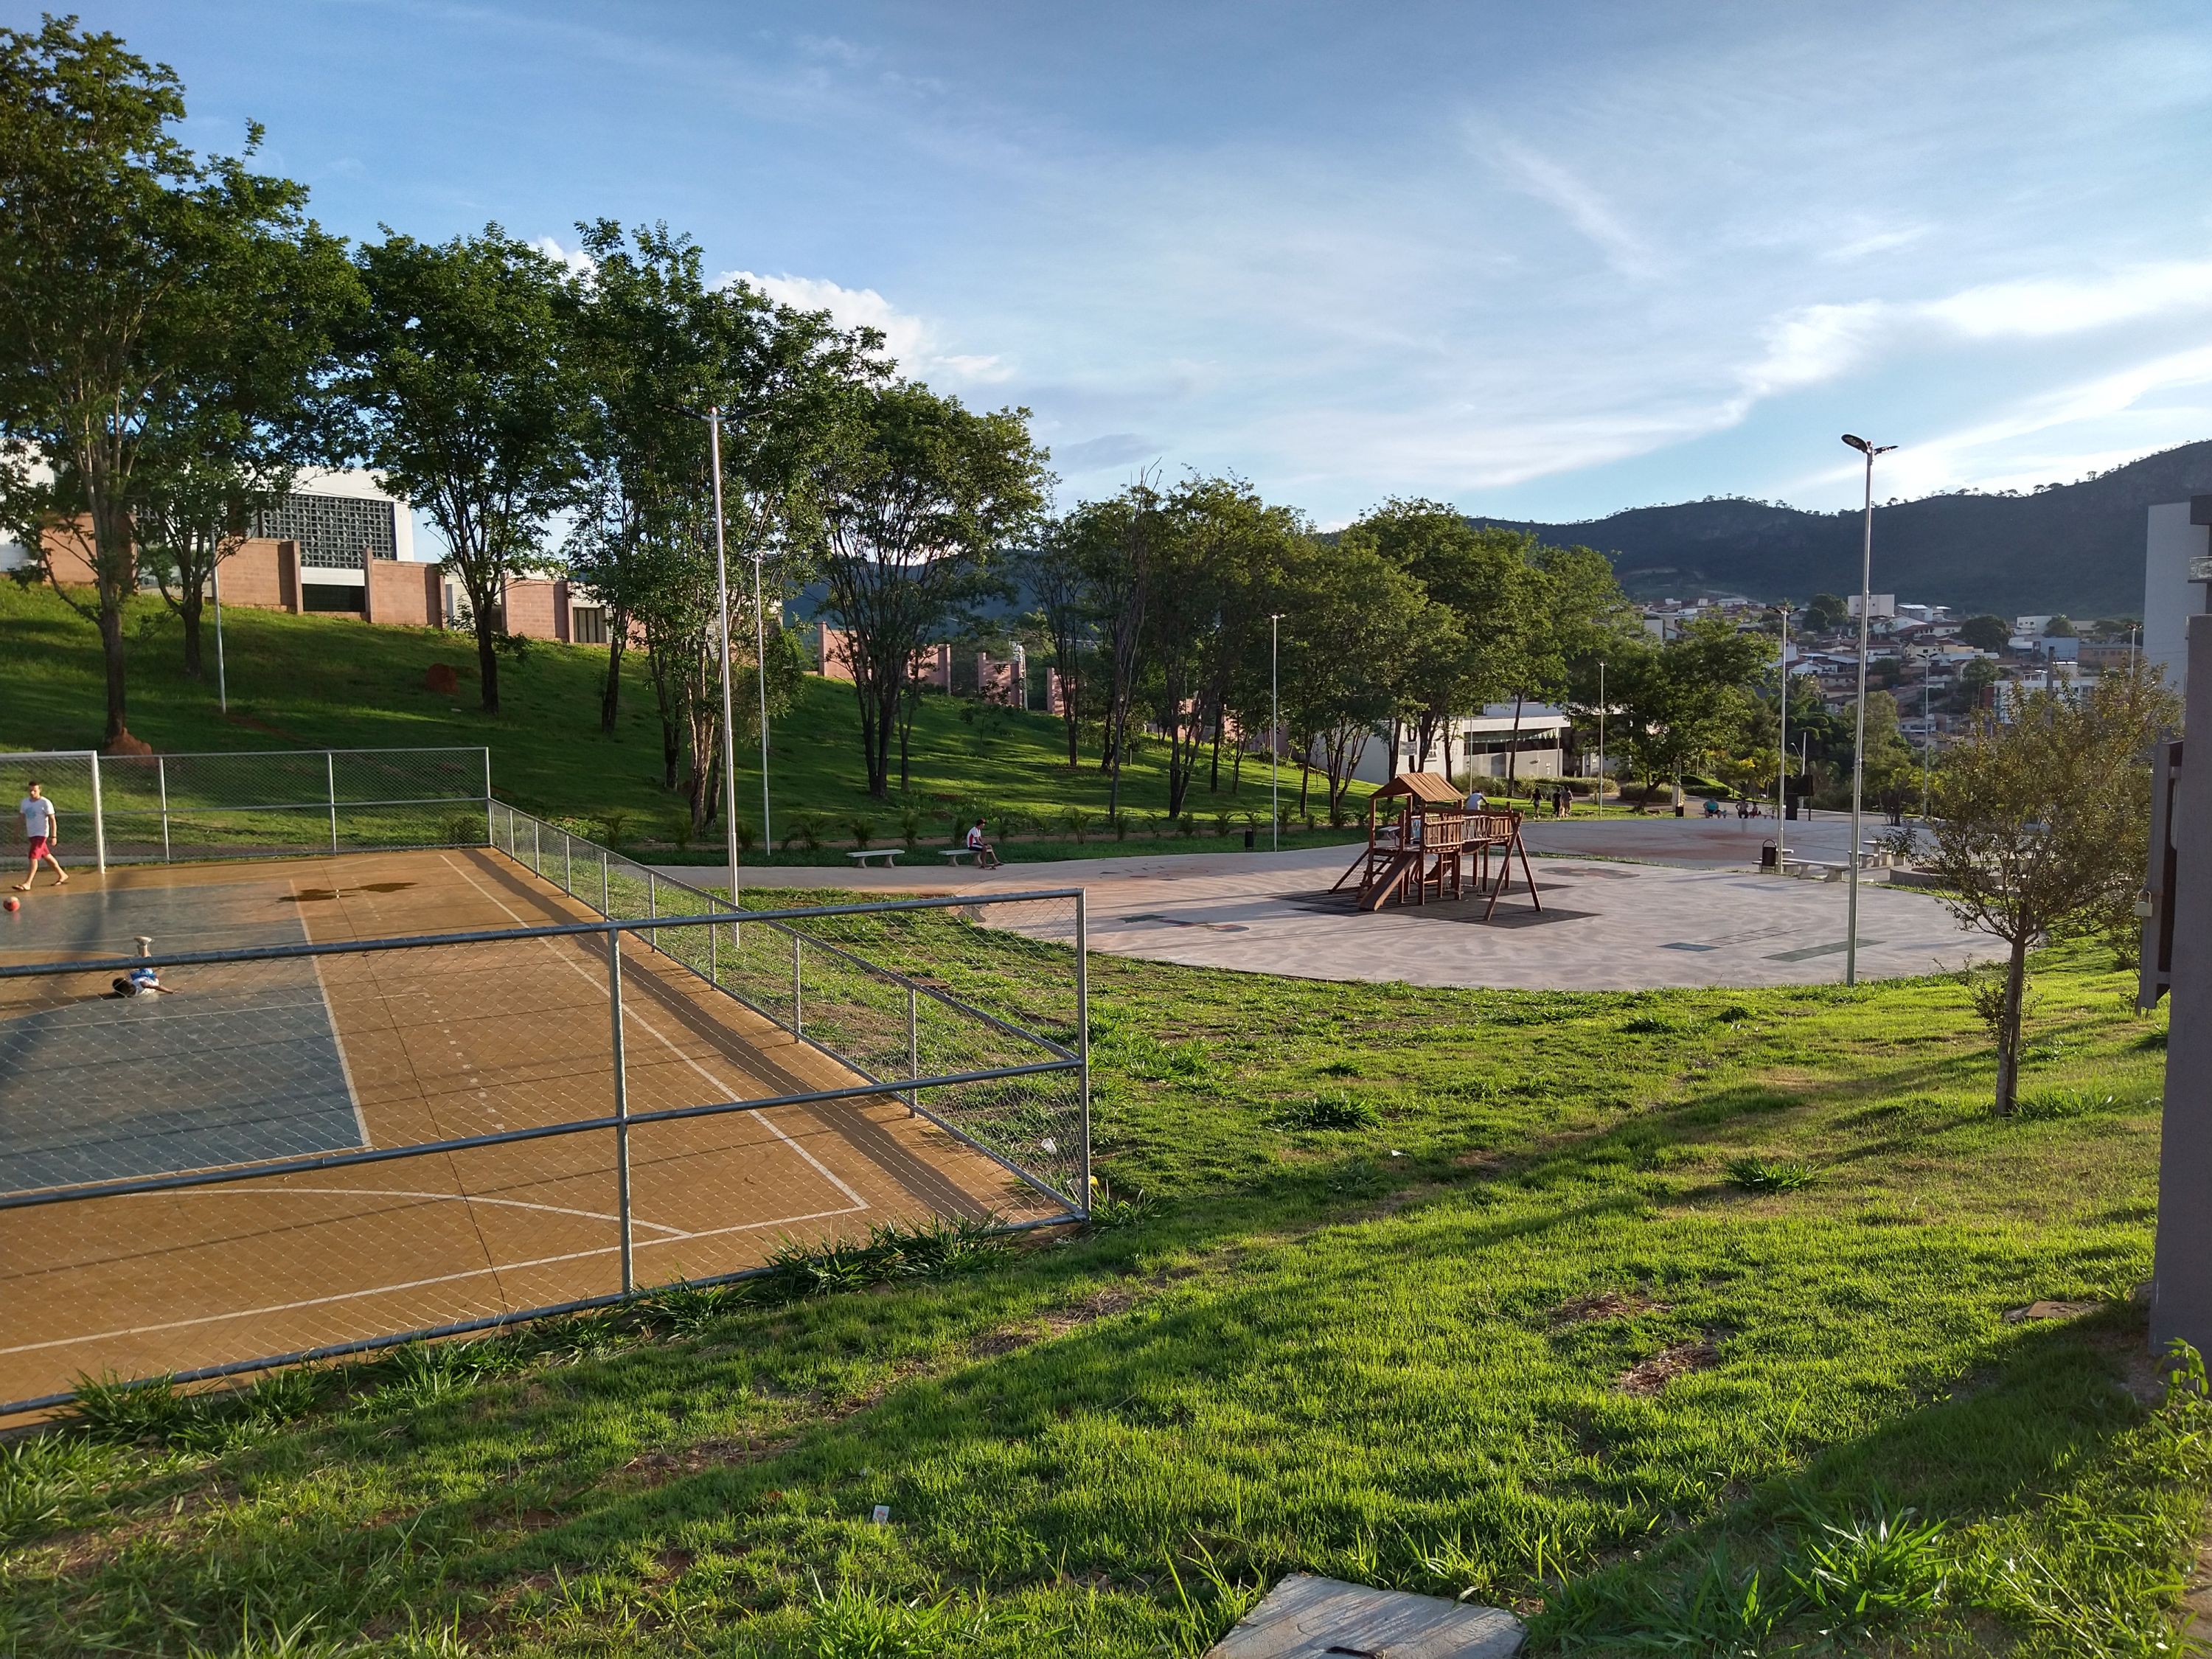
{"points": [[304, 1056]]}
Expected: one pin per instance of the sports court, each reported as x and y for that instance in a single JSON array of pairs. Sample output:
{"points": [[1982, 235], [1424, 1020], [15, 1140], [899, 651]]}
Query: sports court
{"points": [[301, 1057]]}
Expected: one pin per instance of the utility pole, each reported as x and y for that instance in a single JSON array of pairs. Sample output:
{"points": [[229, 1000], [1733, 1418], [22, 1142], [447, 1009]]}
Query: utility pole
{"points": [[729, 716], [1600, 737], [1275, 728], [1782, 762], [222, 680], [1858, 744]]}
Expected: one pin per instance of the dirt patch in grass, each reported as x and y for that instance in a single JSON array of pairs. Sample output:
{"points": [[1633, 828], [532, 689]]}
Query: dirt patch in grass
{"points": [[1605, 1304], [1650, 1376]]}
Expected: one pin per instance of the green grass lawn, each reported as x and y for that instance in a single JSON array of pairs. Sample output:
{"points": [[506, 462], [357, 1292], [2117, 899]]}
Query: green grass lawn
{"points": [[321, 682], [1676, 1320]]}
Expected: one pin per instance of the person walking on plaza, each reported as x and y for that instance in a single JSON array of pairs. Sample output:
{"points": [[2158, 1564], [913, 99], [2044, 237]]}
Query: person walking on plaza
{"points": [[39, 832]]}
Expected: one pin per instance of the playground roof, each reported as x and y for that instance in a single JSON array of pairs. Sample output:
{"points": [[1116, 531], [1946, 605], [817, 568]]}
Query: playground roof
{"points": [[1430, 786]]}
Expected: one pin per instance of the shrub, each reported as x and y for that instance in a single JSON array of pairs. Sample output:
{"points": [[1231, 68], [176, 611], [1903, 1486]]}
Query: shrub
{"points": [[1187, 825], [911, 819], [612, 823], [809, 830], [863, 827], [1121, 822], [1784, 1174], [1326, 1112], [1076, 823], [746, 835]]}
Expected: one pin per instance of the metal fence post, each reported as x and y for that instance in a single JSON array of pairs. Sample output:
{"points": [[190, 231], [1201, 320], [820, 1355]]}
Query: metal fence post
{"points": [[621, 1106], [1083, 1047], [536, 847], [605, 907], [568, 864], [98, 817], [330, 772], [161, 779], [798, 990], [653, 908], [913, 1050]]}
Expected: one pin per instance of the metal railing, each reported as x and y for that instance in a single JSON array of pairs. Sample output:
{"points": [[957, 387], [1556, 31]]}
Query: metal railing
{"points": [[578, 1161], [139, 808]]}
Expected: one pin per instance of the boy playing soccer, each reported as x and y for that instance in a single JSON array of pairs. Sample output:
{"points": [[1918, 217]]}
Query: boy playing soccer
{"points": [[39, 832]]}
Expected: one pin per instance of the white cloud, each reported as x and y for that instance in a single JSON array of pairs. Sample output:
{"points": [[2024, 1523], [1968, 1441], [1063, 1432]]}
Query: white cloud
{"points": [[1815, 344], [1584, 207], [916, 343], [2039, 307], [579, 262]]}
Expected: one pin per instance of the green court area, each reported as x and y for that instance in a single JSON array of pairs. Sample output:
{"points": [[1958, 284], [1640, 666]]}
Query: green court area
{"points": [[1679, 1322]]}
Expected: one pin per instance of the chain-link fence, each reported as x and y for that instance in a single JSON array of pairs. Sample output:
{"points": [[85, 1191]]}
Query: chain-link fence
{"points": [[139, 809], [298, 1149]]}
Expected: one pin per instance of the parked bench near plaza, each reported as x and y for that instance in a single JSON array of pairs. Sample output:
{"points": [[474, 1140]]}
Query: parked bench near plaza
{"points": [[890, 855]]}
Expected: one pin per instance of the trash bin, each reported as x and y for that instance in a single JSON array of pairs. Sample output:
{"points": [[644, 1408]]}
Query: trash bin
{"points": [[1251, 839], [1770, 856], [1678, 812], [1790, 812]]}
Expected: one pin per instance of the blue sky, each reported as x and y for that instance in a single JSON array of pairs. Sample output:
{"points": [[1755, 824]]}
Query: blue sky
{"points": [[1542, 261]]}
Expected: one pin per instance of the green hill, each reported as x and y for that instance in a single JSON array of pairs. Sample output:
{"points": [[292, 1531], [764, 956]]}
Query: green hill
{"points": [[319, 682]]}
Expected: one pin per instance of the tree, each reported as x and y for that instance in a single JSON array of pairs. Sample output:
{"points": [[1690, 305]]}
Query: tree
{"points": [[2043, 816], [1679, 700], [126, 267], [1985, 632], [1117, 545], [1349, 614], [1068, 609], [473, 404], [657, 346], [1975, 680], [1219, 545], [2060, 627], [1825, 613], [918, 499], [1486, 580]]}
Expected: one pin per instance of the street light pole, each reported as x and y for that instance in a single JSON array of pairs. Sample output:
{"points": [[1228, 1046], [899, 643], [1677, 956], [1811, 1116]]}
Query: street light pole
{"points": [[1275, 728], [222, 680], [1858, 743], [1782, 759], [1600, 737], [729, 716]]}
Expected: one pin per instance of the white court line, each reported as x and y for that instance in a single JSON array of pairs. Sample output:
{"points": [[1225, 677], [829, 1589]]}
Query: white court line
{"points": [[330, 1019], [388, 1192], [723, 1089], [411, 1285]]}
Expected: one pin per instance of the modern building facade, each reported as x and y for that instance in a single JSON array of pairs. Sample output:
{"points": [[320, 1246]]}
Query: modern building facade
{"points": [[2180, 533]]}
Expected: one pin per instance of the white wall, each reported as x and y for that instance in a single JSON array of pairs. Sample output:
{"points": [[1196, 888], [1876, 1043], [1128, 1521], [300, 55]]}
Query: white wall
{"points": [[362, 485], [2169, 596]]}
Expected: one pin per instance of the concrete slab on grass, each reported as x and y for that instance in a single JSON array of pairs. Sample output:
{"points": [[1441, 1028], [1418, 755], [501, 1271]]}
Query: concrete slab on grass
{"points": [[1307, 1617]]}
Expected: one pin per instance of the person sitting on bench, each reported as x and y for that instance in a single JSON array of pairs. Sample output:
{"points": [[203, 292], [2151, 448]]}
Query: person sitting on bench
{"points": [[987, 856]]}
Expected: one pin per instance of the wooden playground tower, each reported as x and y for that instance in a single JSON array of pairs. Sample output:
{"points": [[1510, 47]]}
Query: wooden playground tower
{"points": [[1430, 844]]}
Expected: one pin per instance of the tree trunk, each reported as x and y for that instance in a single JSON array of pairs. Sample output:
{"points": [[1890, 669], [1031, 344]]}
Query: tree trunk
{"points": [[611, 693], [1397, 732], [188, 607], [118, 735], [2008, 1033], [1213, 784], [1513, 747], [487, 661]]}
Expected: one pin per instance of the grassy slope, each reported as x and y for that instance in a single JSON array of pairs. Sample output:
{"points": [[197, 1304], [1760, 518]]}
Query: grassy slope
{"points": [[322, 681], [1365, 1352]]}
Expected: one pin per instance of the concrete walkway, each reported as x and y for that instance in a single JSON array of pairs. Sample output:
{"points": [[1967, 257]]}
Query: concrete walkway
{"points": [[1606, 925]]}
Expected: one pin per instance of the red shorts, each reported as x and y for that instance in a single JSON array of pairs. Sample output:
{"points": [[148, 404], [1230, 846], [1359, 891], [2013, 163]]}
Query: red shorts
{"points": [[38, 848]]}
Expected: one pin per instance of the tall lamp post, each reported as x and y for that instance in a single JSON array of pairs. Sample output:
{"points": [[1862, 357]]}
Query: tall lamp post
{"points": [[1782, 759], [729, 717], [1600, 737], [1858, 743], [1275, 728]]}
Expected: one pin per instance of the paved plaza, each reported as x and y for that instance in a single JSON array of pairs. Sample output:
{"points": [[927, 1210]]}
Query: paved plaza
{"points": [[1614, 917]]}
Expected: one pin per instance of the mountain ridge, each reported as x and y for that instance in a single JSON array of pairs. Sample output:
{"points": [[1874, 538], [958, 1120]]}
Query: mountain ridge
{"points": [[2075, 548]]}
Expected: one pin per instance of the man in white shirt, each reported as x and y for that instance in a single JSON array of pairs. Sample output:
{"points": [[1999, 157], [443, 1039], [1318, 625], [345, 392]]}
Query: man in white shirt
{"points": [[38, 813], [987, 856]]}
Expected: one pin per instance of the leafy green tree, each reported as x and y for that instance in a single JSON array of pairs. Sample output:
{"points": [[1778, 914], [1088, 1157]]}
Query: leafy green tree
{"points": [[129, 273], [2043, 816], [1486, 580], [1115, 544], [1209, 602], [473, 405], [1680, 700], [1985, 632], [1349, 614], [919, 500], [1975, 680], [656, 346], [1825, 613], [2060, 627], [1067, 615]]}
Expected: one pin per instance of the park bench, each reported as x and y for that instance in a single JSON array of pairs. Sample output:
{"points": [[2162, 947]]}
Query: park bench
{"points": [[888, 854], [954, 854]]}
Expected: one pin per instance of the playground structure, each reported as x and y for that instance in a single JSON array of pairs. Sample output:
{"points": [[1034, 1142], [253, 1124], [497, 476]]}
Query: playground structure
{"points": [[1425, 847]]}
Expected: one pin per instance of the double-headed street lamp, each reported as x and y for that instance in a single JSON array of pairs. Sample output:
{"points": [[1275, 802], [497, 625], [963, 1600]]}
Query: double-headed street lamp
{"points": [[1858, 744]]}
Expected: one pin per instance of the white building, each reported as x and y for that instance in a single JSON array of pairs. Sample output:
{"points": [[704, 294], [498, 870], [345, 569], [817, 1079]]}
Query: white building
{"points": [[2180, 533], [1878, 605], [1482, 745], [342, 520]]}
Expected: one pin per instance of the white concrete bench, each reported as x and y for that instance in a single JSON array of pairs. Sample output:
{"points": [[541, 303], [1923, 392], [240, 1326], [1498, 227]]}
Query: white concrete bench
{"points": [[890, 855], [954, 854]]}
